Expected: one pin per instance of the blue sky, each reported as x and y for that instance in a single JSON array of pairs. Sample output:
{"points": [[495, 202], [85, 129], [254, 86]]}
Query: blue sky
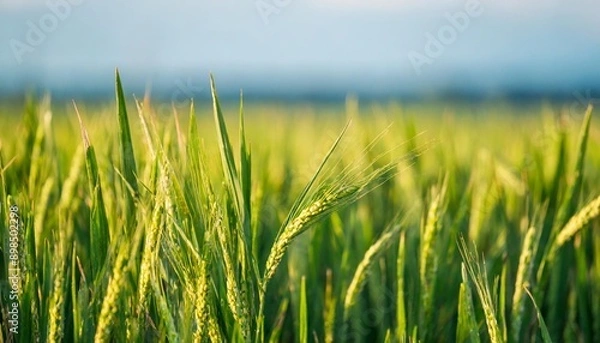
{"points": [[301, 46]]}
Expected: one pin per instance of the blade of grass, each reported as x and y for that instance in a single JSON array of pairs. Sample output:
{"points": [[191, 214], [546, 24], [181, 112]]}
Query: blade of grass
{"points": [[545, 334], [467, 328], [303, 314], [128, 164], [280, 319], [99, 232], [227, 159], [401, 332]]}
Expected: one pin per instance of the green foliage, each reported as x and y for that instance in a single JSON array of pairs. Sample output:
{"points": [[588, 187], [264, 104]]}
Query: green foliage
{"points": [[290, 229]]}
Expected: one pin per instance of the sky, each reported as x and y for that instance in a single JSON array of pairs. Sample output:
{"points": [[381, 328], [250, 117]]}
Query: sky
{"points": [[284, 47]]}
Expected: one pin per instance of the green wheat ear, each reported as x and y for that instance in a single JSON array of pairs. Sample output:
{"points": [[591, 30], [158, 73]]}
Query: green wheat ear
{"points": [[575, 224], [180, 234], [580, 219], [360, 275], [428, 263], [523, 278], [298, 219], [476, 270]]}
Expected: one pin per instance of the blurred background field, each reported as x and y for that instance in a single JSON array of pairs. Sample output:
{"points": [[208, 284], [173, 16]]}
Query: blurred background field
{"points": [[491, 173]]}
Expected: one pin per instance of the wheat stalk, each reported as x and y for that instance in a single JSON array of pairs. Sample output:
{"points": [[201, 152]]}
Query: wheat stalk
{"points": [[576, 223], [524, 271], [148, 259], [201, 308], [319, 208], [214, 332], [109, 303], [165, 313], [236, 299], [428, 261], [151, 242], [70, 183], [56, 317], [361, 273], [478, 274]]}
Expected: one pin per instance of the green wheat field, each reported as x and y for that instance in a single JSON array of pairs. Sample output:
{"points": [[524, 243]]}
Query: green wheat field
{"points": [[266, 222]]}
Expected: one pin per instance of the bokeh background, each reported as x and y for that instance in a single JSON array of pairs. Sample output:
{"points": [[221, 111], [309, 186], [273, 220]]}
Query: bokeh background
{"points": [[308, 49]]}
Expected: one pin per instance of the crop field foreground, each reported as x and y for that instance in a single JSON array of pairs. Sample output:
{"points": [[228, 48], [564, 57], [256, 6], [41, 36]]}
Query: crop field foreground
{"points": [[270, 222]]}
